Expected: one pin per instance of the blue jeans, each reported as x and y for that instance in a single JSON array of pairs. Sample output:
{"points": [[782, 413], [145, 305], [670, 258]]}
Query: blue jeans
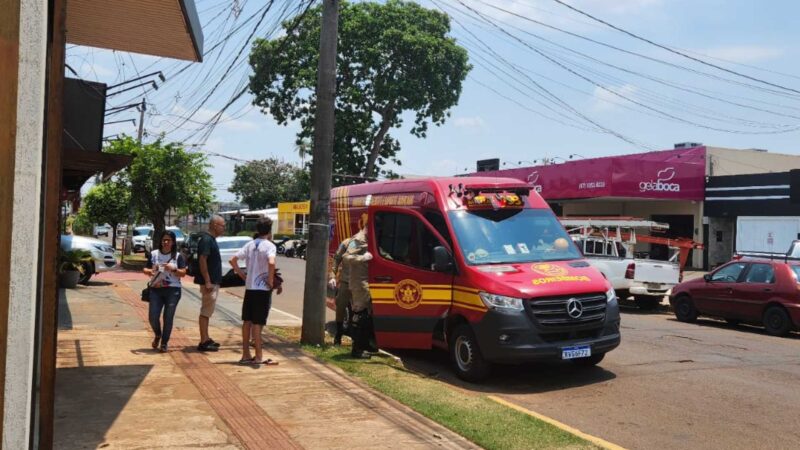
{"points": [[166, 299]]}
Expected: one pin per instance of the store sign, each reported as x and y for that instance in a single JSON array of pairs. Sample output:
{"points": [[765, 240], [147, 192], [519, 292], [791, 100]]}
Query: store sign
{"points": [[661, 184]]}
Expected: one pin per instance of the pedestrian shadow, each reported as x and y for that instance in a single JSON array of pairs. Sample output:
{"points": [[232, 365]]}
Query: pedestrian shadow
{"points": [[88, 401], [529, 378]]}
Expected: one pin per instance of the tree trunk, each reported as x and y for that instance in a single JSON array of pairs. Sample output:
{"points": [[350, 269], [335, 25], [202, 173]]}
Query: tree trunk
{"points": [[317, 252], [114, 235], [386, 123], [158, 227]]}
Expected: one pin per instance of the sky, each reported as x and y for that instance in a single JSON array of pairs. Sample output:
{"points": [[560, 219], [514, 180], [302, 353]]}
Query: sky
{"points": [[582, 107]]}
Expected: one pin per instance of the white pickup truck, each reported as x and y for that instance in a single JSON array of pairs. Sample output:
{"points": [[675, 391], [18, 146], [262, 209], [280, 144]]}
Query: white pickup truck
{"points": [[647, 280]]}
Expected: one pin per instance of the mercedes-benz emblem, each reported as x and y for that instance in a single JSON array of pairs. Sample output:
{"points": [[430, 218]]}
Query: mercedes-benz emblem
{"points": [[574, 308]]}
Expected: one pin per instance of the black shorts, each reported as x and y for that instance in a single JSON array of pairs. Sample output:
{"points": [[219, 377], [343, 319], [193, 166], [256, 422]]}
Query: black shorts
{"points": [[256, 306]]}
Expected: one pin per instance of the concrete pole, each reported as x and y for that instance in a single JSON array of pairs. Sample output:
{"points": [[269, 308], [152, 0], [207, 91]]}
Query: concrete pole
{"points": [[141, 120], [319, 231]]}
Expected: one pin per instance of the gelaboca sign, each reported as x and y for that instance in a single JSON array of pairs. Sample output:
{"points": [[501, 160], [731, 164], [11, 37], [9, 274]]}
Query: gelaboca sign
{"points": [[662, 182], [533, 180]]}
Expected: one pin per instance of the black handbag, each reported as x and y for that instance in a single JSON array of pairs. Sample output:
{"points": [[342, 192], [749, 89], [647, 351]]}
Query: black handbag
{"points": [[146, 294]]}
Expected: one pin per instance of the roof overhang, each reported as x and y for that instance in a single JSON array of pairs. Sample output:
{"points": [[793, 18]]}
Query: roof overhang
{"points": [[79, 165], [167, 28]]}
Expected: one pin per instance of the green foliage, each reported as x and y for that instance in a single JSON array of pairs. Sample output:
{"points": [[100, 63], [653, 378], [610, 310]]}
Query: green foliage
{"points": [[163, 176], [108, 202], [80, 224], [266, 182], [247, 233], [392, 58], [72, 259]]}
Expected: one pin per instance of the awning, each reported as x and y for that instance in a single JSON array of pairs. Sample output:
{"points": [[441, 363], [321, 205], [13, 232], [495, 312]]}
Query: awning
{"points": [[168, 28], [79, 165]]}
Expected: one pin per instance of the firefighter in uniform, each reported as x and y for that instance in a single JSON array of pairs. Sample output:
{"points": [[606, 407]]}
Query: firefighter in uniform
{"points": [[340, 280], [356, 260]]}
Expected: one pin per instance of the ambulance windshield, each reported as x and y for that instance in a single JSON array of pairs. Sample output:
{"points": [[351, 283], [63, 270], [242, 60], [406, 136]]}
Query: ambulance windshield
{"points": [[511, 236]]}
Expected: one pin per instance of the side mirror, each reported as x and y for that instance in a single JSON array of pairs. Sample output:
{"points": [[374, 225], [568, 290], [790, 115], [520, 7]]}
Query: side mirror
{"points": [[707, 277], [442, 261]]}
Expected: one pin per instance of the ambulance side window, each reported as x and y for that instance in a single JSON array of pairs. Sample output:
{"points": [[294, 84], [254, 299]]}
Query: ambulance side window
{"points": [[438, 223], [404, 239]]}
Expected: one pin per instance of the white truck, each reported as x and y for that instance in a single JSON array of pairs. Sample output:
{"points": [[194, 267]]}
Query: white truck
{"points": [[608, 246]]}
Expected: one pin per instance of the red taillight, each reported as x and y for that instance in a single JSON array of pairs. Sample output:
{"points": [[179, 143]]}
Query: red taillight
{"points": [[629, 272]]}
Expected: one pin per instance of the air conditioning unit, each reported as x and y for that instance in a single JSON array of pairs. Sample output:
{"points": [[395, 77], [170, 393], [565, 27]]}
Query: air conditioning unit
{"points": [[680, 145]]}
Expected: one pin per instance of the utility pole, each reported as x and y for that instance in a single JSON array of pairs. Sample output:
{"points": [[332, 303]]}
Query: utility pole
{"points": [[319, 230], [142, 109]]}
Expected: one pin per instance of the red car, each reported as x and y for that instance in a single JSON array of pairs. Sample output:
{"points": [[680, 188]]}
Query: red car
{"points": [[749, 290]]}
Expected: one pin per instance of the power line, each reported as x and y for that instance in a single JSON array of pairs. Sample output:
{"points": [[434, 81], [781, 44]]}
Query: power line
{"points": [[671, 50]]}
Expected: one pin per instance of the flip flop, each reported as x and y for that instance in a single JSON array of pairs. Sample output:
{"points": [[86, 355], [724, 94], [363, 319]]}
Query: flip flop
{"points": [[246, 362], [270, 362]]}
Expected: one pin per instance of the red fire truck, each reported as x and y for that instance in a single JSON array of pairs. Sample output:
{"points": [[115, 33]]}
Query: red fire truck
{"points": [[480, 267]]}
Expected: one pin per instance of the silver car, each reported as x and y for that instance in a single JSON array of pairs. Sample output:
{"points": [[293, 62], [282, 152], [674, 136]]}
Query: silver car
{"points": [[103, 255], [228, 247]]}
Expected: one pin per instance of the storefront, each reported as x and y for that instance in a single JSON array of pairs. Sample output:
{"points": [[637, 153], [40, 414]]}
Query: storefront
{"points": [[703, 193], [293, 218], [666, 186]]}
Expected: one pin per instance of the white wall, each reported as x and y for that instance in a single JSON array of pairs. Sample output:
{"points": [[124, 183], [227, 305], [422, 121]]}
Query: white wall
{"points": [[25, 230]]}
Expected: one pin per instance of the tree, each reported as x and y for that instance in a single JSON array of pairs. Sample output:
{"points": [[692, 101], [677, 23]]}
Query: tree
{"points": [[392, 58], [108, 202], [266, 182], [164, 176]]}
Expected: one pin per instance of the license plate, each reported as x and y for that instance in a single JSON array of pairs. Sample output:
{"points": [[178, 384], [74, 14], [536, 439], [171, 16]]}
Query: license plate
{"points": [[581, 351], [653, 286]]}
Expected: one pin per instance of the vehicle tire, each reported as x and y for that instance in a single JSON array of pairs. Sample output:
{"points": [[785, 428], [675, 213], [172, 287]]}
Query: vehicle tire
{"points": [[465, 355], [87, 270], [289, 253], [685, 310], [646, 302], [590, 361], [777, 321]]}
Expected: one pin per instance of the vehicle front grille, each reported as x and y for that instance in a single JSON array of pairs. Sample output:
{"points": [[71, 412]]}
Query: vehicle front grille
{"points": [[552, 312]]}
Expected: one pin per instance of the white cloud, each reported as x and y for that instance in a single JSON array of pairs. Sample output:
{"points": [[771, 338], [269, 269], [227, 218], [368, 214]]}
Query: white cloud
{"points": [[469, 122], [743, 53], [603, 100]]}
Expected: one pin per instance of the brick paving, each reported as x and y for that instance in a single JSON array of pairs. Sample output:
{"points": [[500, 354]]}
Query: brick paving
{"points": [[251, 425]]}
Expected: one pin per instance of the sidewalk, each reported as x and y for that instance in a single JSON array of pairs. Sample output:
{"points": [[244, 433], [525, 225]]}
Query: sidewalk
{"points": [[114, 391]]}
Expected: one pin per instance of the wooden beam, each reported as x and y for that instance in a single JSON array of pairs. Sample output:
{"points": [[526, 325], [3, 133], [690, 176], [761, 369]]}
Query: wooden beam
{"points": [[9, 61], [51, 220]]}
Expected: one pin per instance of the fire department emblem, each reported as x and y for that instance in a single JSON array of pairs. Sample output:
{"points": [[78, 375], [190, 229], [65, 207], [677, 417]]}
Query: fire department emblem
{"points": [[408, 294], [549, 270]]}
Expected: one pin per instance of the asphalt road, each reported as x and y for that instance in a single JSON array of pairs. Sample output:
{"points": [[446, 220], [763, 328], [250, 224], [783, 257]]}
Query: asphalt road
{"points": [[669, 385]]}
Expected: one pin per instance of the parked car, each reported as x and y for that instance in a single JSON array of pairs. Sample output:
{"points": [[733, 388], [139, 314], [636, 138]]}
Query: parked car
{"points": [[140, 235], [102, 230], [648, 280], [229, 246], [753, 290], [180, 238], [103, 255]]}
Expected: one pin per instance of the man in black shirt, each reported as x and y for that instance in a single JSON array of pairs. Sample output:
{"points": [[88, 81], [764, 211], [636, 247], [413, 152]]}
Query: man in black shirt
{"points": [[209, 277]]}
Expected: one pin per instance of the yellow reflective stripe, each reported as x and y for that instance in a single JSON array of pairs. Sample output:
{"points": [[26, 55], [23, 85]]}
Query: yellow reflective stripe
{"points": [[430, 294], [465, 289], [382, 285], [381, 293], [465, 306], [467, 298]]}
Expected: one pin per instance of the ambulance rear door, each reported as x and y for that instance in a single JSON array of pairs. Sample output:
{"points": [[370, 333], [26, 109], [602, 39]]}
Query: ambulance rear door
{"points": [[409, 298]]}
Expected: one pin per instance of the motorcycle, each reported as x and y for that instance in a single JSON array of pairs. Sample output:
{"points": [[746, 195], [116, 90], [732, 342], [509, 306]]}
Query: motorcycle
{"points": [[280, 246], [301, 249]]}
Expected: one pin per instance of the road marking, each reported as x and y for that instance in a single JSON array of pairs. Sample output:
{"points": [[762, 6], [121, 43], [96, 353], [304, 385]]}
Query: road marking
{"points": [[593, 439], [271, 309]]}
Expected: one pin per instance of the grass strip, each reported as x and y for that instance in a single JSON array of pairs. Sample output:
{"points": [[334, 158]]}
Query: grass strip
{"points": [[474, 416]]}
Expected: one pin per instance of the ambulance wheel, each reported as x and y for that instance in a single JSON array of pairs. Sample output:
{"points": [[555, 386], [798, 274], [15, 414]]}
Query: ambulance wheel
{"points": [[466, 356]]}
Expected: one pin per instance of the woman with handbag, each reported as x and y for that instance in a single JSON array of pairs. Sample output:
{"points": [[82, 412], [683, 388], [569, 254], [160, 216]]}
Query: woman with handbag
{"points": [[166, 266]]}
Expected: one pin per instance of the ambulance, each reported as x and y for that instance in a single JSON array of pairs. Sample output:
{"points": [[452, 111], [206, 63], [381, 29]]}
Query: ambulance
{"points": [[479, 267]]}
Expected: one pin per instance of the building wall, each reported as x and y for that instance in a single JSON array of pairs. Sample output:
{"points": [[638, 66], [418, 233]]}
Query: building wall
{"points": [[720, 251], [19, 387], [727, 161], [645, 210]]}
